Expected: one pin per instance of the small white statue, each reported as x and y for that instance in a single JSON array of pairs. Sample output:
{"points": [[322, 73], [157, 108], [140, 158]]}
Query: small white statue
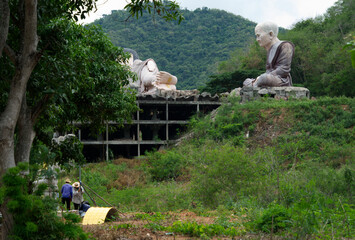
{"points": [[149, 77]]}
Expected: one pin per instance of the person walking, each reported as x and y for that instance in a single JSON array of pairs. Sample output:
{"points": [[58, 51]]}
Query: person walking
{"points": [[67, 193], [78, 193]]}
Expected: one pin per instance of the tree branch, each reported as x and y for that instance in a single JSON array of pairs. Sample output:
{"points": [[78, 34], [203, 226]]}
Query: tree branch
{"points": [[4, 23], [30, 30], [40, 107], [10, 53]]}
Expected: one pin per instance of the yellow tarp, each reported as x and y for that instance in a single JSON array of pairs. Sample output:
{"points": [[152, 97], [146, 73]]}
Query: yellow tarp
{"points": [[98, 215]]}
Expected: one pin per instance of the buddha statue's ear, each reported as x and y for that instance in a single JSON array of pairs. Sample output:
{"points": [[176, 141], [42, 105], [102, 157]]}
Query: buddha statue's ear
{"points": [[271, 34], [152, 66]]}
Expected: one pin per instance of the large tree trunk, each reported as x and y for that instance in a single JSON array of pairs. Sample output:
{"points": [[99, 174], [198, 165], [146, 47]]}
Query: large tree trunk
{"points": [[9, 117], [8, 121], [7, 220], [25, 63], [25, 128], [25, 134]]}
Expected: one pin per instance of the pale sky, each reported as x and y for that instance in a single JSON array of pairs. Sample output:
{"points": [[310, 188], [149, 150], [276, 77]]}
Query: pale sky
{"points": [[283, 12]]}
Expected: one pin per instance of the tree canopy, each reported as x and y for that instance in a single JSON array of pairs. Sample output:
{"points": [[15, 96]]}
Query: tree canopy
{"points": [[50, 65]]}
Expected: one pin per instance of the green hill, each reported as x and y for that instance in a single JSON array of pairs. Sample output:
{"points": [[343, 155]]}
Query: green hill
{"points": [[269, 166], [191, 50]]}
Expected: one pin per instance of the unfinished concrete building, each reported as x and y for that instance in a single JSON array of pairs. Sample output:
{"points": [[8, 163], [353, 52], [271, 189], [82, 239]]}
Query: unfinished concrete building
{"points": [[161, 119]]}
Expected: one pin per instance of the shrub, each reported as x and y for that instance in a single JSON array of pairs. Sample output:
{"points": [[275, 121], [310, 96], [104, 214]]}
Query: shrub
{"points": [[223, 173], [165, 165], [274, 219], [35, 218], [315, 213], [194, 229]]}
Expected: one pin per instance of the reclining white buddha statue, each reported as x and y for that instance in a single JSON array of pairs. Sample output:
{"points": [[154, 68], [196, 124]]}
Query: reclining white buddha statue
{"points": [[149, 77]]}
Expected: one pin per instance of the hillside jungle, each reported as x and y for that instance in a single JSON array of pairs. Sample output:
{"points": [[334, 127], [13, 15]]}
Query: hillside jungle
{"points": [[268, 169]]}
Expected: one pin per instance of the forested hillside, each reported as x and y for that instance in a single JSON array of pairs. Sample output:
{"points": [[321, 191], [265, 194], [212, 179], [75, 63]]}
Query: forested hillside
{"points": [[322, 64], [191, 50]]}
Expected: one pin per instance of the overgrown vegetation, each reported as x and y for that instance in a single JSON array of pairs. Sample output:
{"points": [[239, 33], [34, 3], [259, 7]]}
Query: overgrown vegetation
{"points": [[282, 167], [36, 217], [268, 167]]}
